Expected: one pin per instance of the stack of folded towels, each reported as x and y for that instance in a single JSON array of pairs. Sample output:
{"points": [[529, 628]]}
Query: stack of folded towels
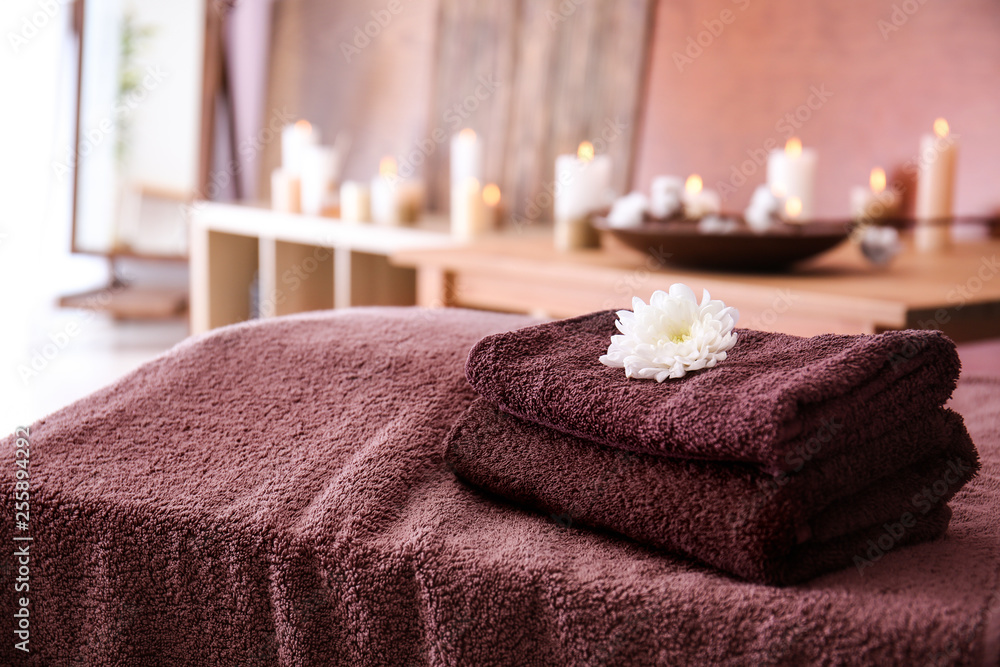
{"points": [[790, 458]]}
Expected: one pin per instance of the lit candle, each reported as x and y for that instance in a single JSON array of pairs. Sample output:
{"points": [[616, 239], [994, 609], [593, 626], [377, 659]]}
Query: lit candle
{"points": [[491, 202], [468, 219], [466, 156], [874, 202], [935, 188], [699, 202], [385, 195], [295, 137], [466, 163], [320, 166], [355, 202], [583, 185], [791, 173], [793, 209]]}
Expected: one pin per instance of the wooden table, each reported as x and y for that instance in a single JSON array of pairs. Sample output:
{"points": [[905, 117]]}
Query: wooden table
{"points": [[839, 292], [298, 262]]}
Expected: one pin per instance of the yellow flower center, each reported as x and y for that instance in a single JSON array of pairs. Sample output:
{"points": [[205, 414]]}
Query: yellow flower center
{"points": [[677, 336]]}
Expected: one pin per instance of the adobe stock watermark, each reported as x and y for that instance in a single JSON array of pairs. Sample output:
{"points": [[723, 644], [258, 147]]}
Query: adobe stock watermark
{"points": [[23, 538], [536, 206], [900, 16], [786, 127], [363, 35], [247, 149], [453, 118], [923, 502], [34, 23], [90, 139], [293, 278], [59, 340], [795, 460], [783, 301], [698, 43], [959, 296], [895, 190], [565, 10], [628, 285]]}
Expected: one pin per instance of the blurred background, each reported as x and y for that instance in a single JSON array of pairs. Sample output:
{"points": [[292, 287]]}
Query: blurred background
{"points": [[128, 121]]}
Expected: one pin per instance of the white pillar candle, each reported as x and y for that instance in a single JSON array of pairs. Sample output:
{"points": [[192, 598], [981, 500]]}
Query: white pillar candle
{"points": [[699, 202], [385, 195], [874, 202], [294, 139], [583, 183], [791, 174], [466, 162], [285, 191], [468, 217], [319, 169], [935, 188], [466, 157], [355, 202], [583, 186]]}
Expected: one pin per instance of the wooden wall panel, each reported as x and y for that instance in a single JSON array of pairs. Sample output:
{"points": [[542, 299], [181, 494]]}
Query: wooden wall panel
{"points": [[380, 95], [564, 71]]}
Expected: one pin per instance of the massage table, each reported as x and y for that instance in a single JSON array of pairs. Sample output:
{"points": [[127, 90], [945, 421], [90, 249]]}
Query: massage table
{"points": [[274, 493]]}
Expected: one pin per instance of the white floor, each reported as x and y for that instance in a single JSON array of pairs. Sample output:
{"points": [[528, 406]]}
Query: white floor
{"points": [[47, 377]]}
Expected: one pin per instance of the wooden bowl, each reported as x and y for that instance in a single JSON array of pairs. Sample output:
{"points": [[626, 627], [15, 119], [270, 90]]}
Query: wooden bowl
{"points": [[741, 249]]}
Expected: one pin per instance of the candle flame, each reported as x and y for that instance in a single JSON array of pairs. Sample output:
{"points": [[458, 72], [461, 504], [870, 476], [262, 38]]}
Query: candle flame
{"points": [[491, 194], [941, 127], [793, 207], [387, 167], [586, 151], [693, 184], [467, 133], [303, 125], [877, 180], [793, 147]]}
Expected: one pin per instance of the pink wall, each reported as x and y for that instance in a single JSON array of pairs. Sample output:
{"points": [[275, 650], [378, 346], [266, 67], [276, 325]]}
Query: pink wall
{"points": [[884, 91]]}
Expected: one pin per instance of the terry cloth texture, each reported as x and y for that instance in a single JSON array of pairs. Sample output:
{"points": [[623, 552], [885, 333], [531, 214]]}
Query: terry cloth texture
{"points": [[767, 399], [275, 493]]}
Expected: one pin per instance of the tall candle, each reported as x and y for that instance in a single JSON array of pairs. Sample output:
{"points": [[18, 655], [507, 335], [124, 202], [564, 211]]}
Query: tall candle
{"points": [[295, 137], [385, 200], [468, 217], [319, 169], [791, 174], [466, 163], [936, 179], [583, 185], [935, 188]]}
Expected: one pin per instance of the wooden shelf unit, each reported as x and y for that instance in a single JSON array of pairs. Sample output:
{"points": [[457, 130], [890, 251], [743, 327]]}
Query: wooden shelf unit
{"points": [[300, 262]]}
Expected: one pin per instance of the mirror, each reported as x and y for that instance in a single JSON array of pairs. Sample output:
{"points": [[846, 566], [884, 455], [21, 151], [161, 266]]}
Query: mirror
{"points": [[139, 119]]}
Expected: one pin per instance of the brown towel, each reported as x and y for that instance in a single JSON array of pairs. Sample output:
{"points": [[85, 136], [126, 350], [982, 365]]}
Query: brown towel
{"points": [[765, 404], [847, 509]]}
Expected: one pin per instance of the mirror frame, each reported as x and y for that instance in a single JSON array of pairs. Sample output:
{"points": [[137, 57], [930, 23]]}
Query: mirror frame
{"points": [[211, 85]]}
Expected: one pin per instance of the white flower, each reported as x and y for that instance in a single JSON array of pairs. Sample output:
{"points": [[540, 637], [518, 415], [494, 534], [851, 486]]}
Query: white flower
{"points": [[672, 335]]}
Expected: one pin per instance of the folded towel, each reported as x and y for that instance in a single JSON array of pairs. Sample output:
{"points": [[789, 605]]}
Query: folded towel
{"points": [[847, 509], [772, 402]]}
